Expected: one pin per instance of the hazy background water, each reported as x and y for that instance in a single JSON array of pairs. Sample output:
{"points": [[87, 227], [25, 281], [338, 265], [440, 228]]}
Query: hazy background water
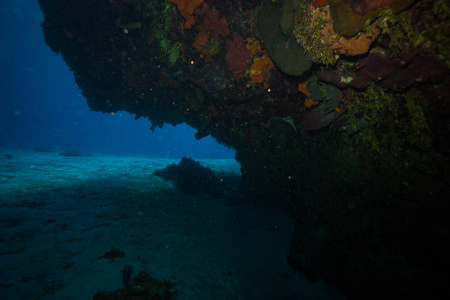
{"points": [[41, 106]]}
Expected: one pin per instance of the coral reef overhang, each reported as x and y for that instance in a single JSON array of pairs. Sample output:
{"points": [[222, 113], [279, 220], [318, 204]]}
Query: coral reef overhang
{"points": [[371, 223]]}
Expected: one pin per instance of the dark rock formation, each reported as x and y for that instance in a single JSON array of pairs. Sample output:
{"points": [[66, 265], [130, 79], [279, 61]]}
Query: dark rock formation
{"points": [[142, 286], [112, 254], [350, 19], [75, 153], [190, 177], [276, 28], [364, 6], [365, 177]]}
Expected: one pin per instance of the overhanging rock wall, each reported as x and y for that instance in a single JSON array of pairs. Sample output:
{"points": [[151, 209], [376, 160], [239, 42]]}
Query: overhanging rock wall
{"points": [[354, 147]]}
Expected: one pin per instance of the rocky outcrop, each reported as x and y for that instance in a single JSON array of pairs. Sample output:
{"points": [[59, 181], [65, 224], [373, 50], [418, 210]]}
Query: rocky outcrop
{"points": [[190, 177], [363, 168], [276, 28], [142, 286], [350, 19]]}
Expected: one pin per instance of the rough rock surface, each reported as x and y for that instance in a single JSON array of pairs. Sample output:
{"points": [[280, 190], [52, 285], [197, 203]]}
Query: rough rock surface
{"points": [[349, 19], [283, 49], [364, 6], [190, 177], [142, 286], [372, 223]]}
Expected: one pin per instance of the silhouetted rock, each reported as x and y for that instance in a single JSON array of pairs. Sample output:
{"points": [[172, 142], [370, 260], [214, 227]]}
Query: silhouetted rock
{"points": [[112, 254], [45, 150], [189, 176], [142, 286], [71, 152]]}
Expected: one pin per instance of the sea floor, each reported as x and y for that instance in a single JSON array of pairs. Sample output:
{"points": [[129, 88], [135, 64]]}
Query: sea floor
{"points": [[59, 214]]}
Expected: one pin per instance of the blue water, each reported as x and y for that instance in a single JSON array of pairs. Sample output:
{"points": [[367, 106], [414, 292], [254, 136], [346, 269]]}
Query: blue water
{"points": [[42, 107]]}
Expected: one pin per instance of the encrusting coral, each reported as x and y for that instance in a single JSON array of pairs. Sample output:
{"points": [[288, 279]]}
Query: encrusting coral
{"points": [[314, 31], [238, 57], [260, 70], [201, 42], [214, 22], [309, 101], [187, 9], [262, 64]]}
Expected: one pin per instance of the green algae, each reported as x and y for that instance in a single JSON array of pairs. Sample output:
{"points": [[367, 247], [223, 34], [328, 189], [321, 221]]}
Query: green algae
{"points": [[429, 32], [214, 46], [349, 23], [388, 122], [307, 32]]}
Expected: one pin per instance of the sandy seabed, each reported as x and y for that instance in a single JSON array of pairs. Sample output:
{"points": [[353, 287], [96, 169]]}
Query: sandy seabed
{"points": [[59, 214]]}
